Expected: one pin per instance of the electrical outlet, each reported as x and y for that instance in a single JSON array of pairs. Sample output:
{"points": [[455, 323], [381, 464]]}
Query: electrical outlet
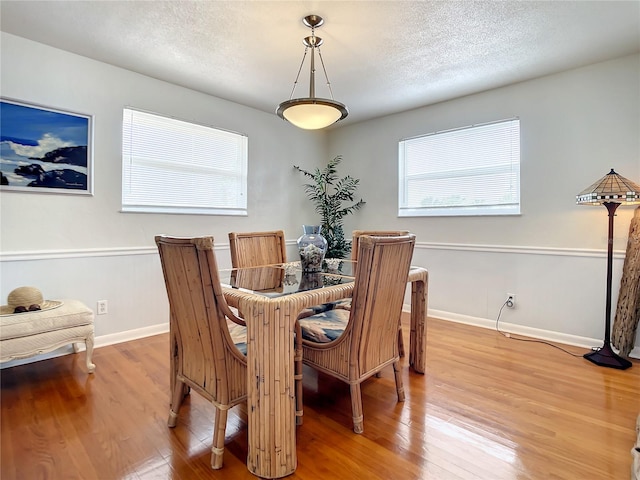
{"points": [[102, 307], [511, 300]]}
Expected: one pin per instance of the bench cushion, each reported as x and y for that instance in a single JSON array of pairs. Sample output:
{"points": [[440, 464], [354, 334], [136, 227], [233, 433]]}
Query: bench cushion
{"points": [[72, 313]]}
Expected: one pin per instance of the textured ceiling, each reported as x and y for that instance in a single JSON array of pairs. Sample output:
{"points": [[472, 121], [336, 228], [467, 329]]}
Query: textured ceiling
{"points": [[381, 57]]}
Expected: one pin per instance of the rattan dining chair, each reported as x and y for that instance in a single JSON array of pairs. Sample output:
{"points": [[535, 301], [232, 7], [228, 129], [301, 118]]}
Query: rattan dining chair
{"points": [[250, 249], [203, 355], [355, 238], [356, 234], [353, 345]]}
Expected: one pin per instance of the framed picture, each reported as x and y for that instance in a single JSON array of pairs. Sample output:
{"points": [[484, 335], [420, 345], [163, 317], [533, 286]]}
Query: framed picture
{"points": [[44, 149]]}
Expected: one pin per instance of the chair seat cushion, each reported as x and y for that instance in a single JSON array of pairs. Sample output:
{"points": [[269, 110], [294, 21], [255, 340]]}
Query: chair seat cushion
{"points": [[238, 336], [316, 309], [72, 313], [320, 323], [326, 326], [344, 303]]}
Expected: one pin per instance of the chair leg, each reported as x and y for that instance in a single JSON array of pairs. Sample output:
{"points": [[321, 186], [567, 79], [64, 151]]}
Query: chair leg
{"points": [[399, 387], [400, 341], [176, 400], [173, 363], [356, 406], [219, 429], [298, 373]]}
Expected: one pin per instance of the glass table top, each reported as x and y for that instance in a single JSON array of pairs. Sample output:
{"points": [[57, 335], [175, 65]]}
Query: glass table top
{"points": [[287, 278]]}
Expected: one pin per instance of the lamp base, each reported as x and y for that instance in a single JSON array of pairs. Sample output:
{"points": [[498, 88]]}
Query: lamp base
{"points": [[606, 357]]}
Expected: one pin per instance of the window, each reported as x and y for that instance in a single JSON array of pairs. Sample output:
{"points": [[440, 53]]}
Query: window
{"points": [[172, 166], [467, 171]]}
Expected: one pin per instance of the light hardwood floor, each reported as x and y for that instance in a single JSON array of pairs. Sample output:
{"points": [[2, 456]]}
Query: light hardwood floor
{"points": [[488, 408]]}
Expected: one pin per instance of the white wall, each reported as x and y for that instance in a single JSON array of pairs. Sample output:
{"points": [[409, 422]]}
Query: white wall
{"points": [[83, 247], [575, 126], [31, 222]]}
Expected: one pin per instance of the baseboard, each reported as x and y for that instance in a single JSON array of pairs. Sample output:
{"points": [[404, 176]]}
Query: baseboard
{"points": [[538, 333], [121, 337]]}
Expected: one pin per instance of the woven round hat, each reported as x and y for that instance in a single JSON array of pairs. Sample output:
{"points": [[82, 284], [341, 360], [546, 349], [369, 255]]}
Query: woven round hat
{"points": [[27, 297]]}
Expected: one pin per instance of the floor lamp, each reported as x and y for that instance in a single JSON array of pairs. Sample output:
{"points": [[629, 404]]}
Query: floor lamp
{"points": [[612, 190]]}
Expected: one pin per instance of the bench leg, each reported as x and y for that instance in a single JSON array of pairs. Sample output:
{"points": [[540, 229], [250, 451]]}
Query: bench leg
{"points": [[89, 343]]}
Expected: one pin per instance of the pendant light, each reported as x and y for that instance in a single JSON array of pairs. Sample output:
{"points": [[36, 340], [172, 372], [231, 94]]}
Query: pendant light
{"points": [[312, 113]]}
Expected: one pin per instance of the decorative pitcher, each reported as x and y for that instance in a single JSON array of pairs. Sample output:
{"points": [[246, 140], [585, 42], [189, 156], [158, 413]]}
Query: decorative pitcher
{"points": [[312, 247]]}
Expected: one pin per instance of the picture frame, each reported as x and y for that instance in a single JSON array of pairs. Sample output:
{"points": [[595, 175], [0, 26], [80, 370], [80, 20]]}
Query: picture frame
{"points": [[44, 149]]}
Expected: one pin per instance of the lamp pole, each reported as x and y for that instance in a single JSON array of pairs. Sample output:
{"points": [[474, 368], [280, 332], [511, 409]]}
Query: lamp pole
{"points": [[605, 356]]}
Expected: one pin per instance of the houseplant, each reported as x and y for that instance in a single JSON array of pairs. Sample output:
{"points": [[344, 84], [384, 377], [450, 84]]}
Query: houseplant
{"points": [[329, 194]]}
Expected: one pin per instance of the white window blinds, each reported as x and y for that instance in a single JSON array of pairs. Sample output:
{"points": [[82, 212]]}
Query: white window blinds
{"points": [[173, 166], [468, 171]]}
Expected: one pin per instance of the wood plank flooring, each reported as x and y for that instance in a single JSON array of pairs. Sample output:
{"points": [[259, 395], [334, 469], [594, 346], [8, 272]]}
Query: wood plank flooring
{"points": [[488, 408]]}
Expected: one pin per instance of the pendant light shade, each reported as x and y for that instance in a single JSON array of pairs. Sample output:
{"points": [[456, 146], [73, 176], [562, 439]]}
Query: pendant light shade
{"points": [[312, 113]]}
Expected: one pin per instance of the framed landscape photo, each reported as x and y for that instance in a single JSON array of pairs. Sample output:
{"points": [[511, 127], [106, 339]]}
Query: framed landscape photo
{"points": [[45, 149]]}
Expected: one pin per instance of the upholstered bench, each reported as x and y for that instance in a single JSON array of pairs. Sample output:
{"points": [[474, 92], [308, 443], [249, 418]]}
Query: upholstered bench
{"points": [[34, 332]]}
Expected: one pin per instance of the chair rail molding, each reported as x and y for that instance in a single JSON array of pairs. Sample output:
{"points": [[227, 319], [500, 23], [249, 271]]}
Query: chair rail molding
{"points": [[123, 251], [515, 249]]}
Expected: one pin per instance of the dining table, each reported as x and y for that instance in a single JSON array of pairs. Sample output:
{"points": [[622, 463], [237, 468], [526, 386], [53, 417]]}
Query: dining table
{"points": [[270, 298]]}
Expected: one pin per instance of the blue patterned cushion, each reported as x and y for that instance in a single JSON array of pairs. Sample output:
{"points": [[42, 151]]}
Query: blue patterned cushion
{"points": [[238, 335], [321, 323], [316, 309], [326, 326], [345, 304]]}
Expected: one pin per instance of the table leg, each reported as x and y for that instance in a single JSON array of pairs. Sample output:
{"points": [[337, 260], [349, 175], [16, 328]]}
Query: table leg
{"points": [[418, 334], [271, 391]]}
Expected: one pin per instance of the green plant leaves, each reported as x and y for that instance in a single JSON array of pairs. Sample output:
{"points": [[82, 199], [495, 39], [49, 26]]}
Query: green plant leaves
{"points": [[328, 193]]}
